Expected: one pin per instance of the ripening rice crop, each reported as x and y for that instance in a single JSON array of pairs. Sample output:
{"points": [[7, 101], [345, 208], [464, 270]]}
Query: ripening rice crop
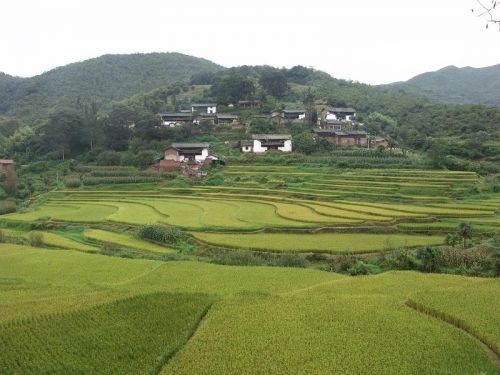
{"points": [[66, 212], [53, 239], [134, 335], [428, 210], [319, 242], [126, 240], [474, 305], [351, 326]]}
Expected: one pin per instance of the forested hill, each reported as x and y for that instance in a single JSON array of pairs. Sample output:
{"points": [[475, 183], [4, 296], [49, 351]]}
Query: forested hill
{"points": [[457, 85], [104, 78]]}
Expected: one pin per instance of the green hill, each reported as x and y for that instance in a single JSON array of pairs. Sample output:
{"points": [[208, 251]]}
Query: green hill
{"points": [[457, 85], [104, 78]]}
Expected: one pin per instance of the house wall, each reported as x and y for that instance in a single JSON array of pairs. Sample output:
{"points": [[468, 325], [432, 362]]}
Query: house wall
{"points": [[257, 146], [172, 155], [203, 156], [208, 110], [246, 149], [287, 147]]}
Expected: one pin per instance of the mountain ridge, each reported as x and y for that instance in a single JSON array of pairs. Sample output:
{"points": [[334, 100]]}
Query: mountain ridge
{"points": [[107, 77], [451, 84]]}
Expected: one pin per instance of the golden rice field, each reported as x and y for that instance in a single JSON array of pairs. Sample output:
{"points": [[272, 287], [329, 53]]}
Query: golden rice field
{"points": [[93, 297], [114, 315]]}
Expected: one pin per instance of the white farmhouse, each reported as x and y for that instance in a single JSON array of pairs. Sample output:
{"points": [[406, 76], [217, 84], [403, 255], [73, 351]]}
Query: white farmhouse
{"points": [[340, 114], [181, 152], [267, 142], [208, 108]]}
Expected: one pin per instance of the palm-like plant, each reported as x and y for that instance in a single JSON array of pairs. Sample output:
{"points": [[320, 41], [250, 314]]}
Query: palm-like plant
{"points": [[464, 230]]}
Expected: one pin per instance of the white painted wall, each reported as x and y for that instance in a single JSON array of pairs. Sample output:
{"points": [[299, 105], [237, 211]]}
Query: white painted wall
{"points": [[171, 124], [212, 109], [287, 147], [257, 146], [302, 116], [203, 156]]}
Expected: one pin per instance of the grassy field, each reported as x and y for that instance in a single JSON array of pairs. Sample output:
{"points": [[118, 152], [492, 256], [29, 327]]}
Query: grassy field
{"points": [[264, 320]]}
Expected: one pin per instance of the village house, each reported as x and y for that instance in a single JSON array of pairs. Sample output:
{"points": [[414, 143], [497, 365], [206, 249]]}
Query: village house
{"points": [[175, 119], [227, 119], [267, 142], [343, 138], [188, 158], [293, 114], [208, 108], [339, 114], [379, 142], [206, 117], [246, 146], [248, 104], [6, 164], [333, 125]]}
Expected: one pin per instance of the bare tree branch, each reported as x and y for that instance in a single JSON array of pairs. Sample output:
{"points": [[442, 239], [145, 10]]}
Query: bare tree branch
{"points": [[489, 12]]}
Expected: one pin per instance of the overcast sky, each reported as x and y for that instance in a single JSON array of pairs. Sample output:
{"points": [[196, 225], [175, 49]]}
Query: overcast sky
{"points": [[364, 40]]}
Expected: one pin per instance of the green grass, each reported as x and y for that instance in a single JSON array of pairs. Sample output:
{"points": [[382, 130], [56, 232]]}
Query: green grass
{"points": [[133, 335], [126, 240], [321, 242]]}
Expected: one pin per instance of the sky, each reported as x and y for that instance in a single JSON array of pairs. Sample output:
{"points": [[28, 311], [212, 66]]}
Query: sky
{"points": [[364, 40]]}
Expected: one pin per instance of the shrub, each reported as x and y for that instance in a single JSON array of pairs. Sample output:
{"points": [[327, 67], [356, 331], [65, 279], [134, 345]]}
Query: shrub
{"points": [[36, 239], [109, 158], [400, 259], [358, 268], [161, 233], [342, 263], [430, 257], [291, 260], [238, 258]]}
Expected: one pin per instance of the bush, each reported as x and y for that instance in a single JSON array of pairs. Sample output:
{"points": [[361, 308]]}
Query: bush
{"points": [[238, 258], [342, 263], [400, 260], [358, 268], [145, 158], [36, 239], [161, 233], [431, 258], [109, 158], [291, 260]]}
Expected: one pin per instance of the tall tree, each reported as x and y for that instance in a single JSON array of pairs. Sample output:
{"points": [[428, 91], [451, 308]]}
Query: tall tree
{"points": [[232, 88], [274, 82], [63, 131]]}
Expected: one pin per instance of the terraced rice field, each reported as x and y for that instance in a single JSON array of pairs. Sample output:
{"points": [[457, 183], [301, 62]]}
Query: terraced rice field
{"points": [[137, 316], [258, 197], [320, 242]]}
